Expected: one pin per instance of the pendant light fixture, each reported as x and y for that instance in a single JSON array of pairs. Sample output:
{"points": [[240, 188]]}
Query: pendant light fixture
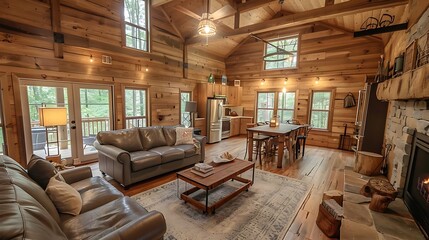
{"points": [[206, 27]]}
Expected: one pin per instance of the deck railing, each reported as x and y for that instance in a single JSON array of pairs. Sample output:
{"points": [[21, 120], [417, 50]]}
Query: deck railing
{"points": [[136, 121]]}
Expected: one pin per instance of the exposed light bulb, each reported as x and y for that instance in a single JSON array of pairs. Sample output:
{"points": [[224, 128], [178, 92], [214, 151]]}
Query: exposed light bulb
{"points": [[285, 81], [207, 29], [317, 80], [91, 59], [262, 81], [147, 69]]}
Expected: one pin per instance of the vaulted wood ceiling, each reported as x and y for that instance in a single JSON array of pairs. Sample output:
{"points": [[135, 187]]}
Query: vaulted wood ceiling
{"points": [[257, 16]]}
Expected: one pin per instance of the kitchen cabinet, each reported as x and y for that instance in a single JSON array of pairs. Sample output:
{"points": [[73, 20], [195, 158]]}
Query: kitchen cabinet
{"points": [[243, 124], [205, 90], [235, 126], [234, 95]]}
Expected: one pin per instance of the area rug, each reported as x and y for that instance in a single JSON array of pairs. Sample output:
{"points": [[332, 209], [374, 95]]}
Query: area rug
{"points": [[266, 211]]}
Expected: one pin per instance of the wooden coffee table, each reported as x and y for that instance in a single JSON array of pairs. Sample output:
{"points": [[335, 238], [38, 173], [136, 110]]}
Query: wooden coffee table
{"points": [[222, 173]]}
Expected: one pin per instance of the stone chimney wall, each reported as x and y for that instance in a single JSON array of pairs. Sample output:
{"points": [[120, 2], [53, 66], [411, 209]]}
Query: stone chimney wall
{"points": [[403, 119]]}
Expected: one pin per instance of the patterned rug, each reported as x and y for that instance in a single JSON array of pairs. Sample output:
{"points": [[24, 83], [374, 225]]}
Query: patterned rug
{"points": [[264, 212]]}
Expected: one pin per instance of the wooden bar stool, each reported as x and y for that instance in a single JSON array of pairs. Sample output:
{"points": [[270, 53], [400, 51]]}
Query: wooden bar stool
{"points": [[261, 141]]}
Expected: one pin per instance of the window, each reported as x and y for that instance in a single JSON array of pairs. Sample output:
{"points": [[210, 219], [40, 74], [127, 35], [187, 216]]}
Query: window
{"points": [[320, 109], [185, 117], [289, 44], [265, 106], [286, 106], [135, 108], [136, 24]]}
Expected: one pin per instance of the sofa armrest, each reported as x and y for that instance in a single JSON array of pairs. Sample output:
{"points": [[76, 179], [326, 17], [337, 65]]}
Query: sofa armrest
{"points": [[203, 141], [113, 152], [150, 226], [76, 174]]}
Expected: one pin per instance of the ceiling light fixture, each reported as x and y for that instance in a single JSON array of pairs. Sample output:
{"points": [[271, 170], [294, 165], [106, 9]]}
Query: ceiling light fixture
{"points": [[279, 55], [206, 27]]}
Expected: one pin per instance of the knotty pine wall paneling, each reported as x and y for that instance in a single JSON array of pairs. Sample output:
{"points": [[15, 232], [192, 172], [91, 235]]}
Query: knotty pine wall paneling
{"points": [[341, 61], [89, 28]]}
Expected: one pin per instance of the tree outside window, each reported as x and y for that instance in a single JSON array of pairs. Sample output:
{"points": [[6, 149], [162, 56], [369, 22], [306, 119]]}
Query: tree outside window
{"points": [[265, 106], [289, 44], [286, 106], [320, 109], [185, 117], [136, 24], [135, 108]]}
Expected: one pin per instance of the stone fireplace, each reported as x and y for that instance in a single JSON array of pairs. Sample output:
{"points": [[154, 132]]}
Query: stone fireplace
{"points": [[404, 119], [416, 190]]}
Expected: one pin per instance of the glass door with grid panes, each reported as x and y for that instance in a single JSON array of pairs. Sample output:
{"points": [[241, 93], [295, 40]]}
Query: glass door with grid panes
{"points": [[89, 110]]}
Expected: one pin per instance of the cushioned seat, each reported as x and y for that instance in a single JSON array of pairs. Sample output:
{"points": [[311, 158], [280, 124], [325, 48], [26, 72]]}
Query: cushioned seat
{"points": [[95, 192], [102, 220], [144, 159], [189, 149], [169, 154]]}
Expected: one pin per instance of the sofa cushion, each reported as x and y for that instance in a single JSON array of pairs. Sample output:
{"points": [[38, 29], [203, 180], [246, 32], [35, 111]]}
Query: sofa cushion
{"points": [[104, 219], [188, 149], [170, 135], [126, 139], [65, 197], [169, 154], [95, 192], [40, 170], [144, 159], [184, 135], [152, 137]]}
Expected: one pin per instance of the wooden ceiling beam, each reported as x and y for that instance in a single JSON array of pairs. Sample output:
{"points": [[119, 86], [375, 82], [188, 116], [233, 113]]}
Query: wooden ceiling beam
{"points": [[157, 3], [318, 14], [329, 2], [172, 23], [187, 12], [250, 5]]}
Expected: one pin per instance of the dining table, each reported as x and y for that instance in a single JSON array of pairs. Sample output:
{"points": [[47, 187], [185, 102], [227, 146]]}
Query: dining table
{"points": [[281, 132]]}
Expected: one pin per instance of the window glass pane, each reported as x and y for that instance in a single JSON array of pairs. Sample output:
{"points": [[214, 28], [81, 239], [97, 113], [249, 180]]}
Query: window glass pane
{"points": [[285, 115], [185, 117], [135, 37], [288, 44], [135, 108], [264, 115], [265, 100], [286, 100], [319, 119], [135, 12], [321, 100]]}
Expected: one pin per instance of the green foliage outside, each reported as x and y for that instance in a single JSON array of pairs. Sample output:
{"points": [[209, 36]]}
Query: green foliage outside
{"points": [[136, 25], [288, 44], [286, 106], [320, 109]]}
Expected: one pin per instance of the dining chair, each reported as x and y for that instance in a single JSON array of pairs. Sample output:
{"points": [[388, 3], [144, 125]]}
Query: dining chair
{"points": [[260, 144], [301, 139]]}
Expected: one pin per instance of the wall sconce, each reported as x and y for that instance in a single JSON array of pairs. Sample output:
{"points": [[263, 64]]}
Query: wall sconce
{"points": [[91, 59], [317, 80], [262, 81], [285, 81], [147, 69]]}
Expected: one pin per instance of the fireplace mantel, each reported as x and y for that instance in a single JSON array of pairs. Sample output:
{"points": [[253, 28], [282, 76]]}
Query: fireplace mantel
{"points": [[413, 84]]}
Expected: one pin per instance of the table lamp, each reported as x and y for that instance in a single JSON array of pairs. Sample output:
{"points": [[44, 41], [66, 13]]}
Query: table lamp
{"points": [[191, 107], [51, 118]]}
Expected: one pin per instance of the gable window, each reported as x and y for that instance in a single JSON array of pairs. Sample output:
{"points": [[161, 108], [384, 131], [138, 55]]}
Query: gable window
{"points": [[286, 106], [321, 109], [135, 108], [289, 44], [136, 13]]}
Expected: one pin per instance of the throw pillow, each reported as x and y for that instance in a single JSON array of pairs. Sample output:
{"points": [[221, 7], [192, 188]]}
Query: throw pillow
{"points": [[65, 198], [126, 139], [40, 170], [184, 135]]}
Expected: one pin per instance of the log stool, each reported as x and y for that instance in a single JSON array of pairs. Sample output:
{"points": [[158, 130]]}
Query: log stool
{"points": [[368, 163], [382, 193]]}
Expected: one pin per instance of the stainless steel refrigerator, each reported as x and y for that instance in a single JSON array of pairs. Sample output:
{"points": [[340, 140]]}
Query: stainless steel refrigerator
{"points": [[214, 119]]}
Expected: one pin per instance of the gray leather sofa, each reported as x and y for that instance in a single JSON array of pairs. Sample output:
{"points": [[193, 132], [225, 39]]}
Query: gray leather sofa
{"points": [[133, 155], [26, 211]]}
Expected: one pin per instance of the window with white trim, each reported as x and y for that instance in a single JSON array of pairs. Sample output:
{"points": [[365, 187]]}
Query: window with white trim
{"points": [[136, 15], [135, 108], [265, 106], [320, 109], [286, 106], [289, 44]]}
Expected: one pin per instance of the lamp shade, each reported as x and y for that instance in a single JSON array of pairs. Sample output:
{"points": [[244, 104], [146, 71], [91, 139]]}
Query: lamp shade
{"points": [[191, 106], [52, 116]]}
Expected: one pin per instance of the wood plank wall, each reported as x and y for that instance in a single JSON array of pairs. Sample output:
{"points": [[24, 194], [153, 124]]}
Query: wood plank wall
{"points": [[93, 28], [341, 61]]}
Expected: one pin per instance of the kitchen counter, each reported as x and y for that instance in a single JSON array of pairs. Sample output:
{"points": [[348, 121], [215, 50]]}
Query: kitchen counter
{"points": [[239, 117]]}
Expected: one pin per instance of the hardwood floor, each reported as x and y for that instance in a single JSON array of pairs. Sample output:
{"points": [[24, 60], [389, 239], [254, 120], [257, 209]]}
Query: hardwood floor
{"points": [[323, 168]]}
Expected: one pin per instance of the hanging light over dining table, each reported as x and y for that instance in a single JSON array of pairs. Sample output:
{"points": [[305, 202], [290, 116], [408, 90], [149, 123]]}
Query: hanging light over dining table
{"points": [[206, 27]]}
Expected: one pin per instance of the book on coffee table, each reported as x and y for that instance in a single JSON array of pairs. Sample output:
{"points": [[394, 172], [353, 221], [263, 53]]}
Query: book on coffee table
{"points": [[201, 174]]}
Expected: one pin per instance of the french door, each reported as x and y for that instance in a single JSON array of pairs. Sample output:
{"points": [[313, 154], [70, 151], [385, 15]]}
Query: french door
{"points": [[89, 110]]}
